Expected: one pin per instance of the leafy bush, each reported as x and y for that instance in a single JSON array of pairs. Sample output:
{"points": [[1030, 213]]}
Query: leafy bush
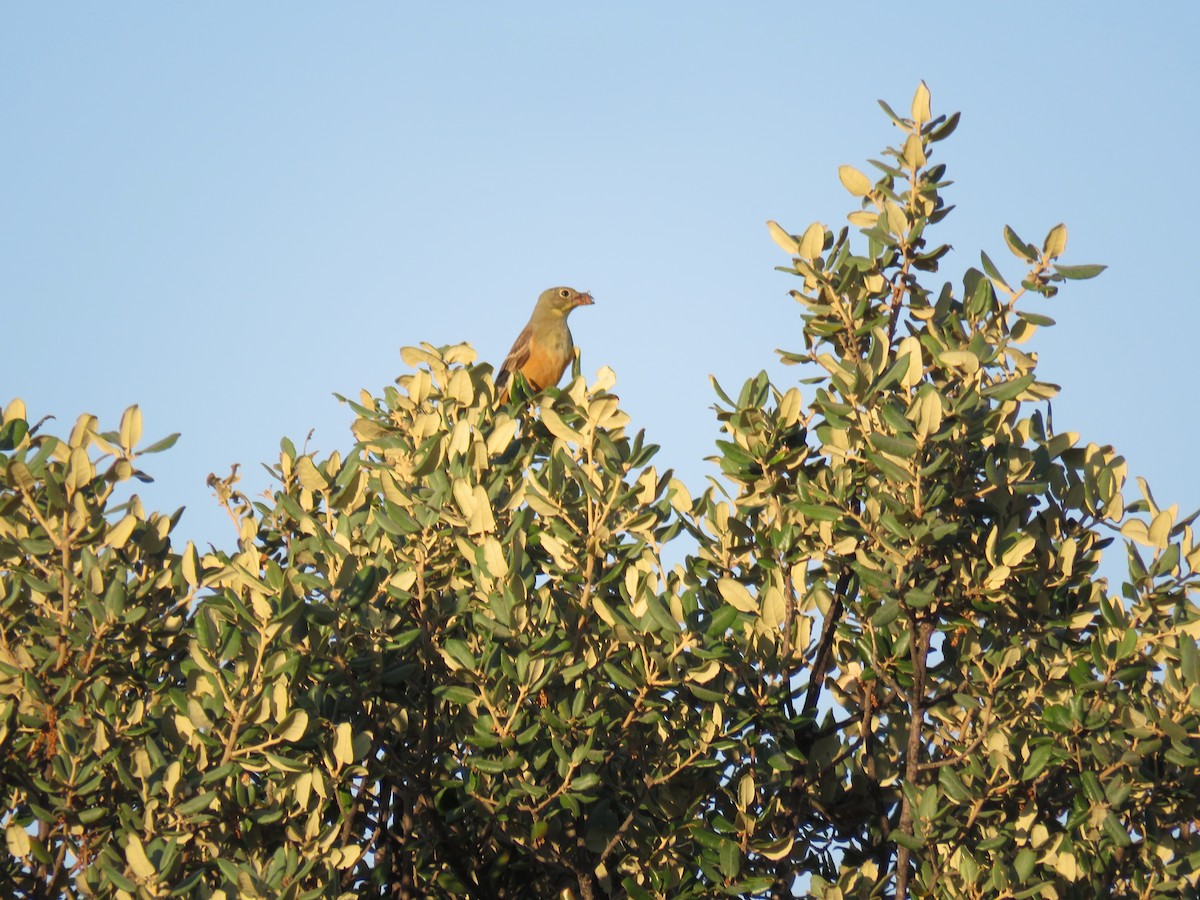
{"points": [[456, 662]]}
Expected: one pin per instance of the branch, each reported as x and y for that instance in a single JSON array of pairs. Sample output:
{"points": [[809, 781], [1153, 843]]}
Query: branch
{"points": [[825, 648], [918, 653]]}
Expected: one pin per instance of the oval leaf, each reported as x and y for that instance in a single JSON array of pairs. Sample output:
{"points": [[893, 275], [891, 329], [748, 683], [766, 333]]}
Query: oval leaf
{"points": [[735, 594], [854, 181]]}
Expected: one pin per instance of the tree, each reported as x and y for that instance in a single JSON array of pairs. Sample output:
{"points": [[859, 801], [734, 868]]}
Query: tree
{"points": [[455, 662]]}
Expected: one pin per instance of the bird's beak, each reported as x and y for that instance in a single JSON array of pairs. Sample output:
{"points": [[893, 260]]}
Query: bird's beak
{"points": [[585, 299]]}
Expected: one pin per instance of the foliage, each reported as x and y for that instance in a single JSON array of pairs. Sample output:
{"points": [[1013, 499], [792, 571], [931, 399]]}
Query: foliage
{"points": [[456, 661]]}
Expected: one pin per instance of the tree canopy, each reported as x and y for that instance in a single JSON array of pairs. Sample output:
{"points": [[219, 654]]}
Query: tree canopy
{"points": [[458, 660]]}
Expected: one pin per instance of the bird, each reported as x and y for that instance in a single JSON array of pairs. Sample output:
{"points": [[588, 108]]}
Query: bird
{"points": [[544, 347]]}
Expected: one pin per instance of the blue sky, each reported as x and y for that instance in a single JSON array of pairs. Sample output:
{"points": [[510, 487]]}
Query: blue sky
{"points": [[228, 212]]}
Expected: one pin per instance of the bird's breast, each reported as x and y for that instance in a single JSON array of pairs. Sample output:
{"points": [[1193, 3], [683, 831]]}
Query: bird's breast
{"points": [[549, 353]]}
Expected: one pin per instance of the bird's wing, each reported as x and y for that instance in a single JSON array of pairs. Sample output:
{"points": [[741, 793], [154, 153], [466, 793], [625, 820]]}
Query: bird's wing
{"points": [[517, 356]]}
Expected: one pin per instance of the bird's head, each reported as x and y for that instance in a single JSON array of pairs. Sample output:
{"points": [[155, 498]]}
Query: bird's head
{"points": [[562, 300]]}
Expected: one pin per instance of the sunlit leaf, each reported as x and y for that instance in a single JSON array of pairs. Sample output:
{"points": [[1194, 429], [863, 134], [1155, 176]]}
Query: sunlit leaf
{"points": [[786, 242], [735, 594], [854, 181]]}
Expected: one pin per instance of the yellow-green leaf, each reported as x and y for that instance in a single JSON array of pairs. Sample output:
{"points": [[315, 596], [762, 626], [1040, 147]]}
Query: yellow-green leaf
{"points": [[475, 505], [920, 105], [785, 241], [812, 242], [460, 387], [735, 594], [504, 428], [293, 727], [894, 218], [774, 607], [1159, 532], [118, 534], [191, 565], [343, 744], [309, 476], [777, 850], [854, 181], [17, 839], [929, 414], [911, 347], [1056, 241], [1136, 531], [135, 855], [1018, 551], [559, 428], [914, 153], [131, 428], [493, 558], [1018, 246], [14, 410], [746, 790], [602, 610], [80, 470], [960, 359], [414, 356], [171, 778], [789, 406]]}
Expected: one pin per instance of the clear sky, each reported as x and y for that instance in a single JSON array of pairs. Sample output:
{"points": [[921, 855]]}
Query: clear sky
{"points": [[228, 212]]}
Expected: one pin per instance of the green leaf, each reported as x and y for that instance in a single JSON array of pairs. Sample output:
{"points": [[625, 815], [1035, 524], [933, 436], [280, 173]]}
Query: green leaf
{"points": [[894, 471], [941, 132], [953, 785], [1008, 390], [886, 614], [1019, 248], [897, 445], [118, 879], [585, 782], [890, 113], [1034, 318], [1116, 831], [819, 513], [12, 433], [199, 803], [910, 841], [1038, 759], [1079, 273], [993, 272], [456, 693], [917, 598], [1024, 864], [731, 859], [158, 446], [460, 653], [660, 615]]}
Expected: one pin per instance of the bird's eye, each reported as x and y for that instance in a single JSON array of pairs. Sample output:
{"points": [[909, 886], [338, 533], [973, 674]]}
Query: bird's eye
{"points": [[564, 293]]}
